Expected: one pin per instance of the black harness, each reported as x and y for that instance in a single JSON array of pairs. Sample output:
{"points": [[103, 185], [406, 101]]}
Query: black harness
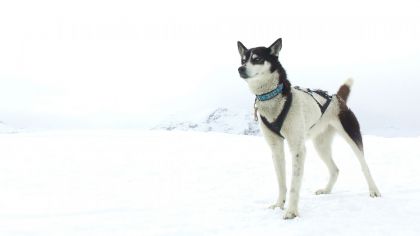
{"points": [[321, 93], [278, 123]]}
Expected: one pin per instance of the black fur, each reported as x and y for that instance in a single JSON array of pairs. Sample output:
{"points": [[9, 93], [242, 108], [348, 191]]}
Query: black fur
{"points": [[241, 48], [351, 126]]}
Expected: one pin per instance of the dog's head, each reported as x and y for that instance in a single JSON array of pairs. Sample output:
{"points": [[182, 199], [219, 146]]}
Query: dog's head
{"points": [[259, 61], [261, 68]]}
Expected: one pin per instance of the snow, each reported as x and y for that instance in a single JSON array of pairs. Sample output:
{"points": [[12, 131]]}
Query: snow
{"points": [[88, 65], [191, 183]]}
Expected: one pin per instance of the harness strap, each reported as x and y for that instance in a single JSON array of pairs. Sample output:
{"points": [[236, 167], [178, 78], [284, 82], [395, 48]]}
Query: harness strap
{"points": [[327, 98], [321, 93], [278, 123]]}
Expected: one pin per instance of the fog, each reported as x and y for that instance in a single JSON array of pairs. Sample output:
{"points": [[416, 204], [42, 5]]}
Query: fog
{"points": [[132, 64]]}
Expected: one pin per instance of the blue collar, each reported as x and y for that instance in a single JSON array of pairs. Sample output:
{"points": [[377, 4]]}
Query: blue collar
{"points": [[271, 94]]}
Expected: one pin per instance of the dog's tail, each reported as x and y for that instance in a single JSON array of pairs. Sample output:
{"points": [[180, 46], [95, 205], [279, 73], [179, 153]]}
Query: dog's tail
{"points": [[344, 90]]}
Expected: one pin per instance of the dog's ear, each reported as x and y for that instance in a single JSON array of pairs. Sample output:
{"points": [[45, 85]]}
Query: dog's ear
{"points": [[241, 48], [275, 47]]}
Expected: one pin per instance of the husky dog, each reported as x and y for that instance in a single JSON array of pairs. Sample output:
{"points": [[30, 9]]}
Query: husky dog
{"points": [[297, 114]]}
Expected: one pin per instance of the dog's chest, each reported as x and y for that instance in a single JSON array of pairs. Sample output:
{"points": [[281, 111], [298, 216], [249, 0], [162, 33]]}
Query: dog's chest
{"points": [[304, 113], [272, 108]]}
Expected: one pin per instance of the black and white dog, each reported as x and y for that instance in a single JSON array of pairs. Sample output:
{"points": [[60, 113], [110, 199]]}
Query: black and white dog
{"points": [[297, 114]]}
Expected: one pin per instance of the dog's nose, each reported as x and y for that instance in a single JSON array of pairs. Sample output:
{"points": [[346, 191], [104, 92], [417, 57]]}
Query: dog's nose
{"points": [[242, 72]]}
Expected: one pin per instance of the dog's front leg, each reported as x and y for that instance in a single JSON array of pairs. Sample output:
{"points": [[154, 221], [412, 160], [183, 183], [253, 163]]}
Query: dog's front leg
{"points": [[279, 165], [276, 144], [298, 151]]}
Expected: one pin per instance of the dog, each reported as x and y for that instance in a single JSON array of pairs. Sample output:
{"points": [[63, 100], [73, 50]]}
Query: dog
{"points": [[297, 114]]}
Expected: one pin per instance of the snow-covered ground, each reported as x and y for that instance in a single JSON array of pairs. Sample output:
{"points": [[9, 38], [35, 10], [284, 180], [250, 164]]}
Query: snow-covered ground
{"points": [[189, 183]]}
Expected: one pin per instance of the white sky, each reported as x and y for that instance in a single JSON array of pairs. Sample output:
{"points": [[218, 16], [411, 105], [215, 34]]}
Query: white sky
{"points": [[117, 64]]}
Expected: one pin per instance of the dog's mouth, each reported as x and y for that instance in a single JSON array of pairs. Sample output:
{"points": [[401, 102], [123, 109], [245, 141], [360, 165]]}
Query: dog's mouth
{"points": [[243, 75]]}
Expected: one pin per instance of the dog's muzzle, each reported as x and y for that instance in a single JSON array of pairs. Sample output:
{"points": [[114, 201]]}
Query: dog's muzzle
{"points": [[242, 72]]}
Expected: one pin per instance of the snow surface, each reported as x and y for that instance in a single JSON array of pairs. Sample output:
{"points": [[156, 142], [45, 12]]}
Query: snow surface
{"points": [[190, 183]]}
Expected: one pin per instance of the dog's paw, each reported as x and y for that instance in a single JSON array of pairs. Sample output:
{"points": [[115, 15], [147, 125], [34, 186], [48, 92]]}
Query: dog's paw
{"points": [[323, 191], [277, 205], [290, 215], [374, 193]]}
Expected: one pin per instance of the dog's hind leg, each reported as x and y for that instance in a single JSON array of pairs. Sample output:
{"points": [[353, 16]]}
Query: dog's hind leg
{"points": [[322, 144], [348, 128]]}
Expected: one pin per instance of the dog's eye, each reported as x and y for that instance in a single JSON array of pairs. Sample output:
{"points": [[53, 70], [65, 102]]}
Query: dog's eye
{"points": [[243, 61], [257, 59]]}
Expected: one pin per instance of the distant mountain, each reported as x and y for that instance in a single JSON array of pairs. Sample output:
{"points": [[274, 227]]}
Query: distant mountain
{"points": [[220, 120], [5, 129]]}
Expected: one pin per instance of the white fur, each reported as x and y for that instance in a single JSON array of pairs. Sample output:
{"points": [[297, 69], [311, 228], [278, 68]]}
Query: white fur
{"points": [[349, 82], [303, 114], [260, 77]]}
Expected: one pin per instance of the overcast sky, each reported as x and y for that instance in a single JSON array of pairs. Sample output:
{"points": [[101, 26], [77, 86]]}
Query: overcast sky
{"points": [[130, 64]]}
